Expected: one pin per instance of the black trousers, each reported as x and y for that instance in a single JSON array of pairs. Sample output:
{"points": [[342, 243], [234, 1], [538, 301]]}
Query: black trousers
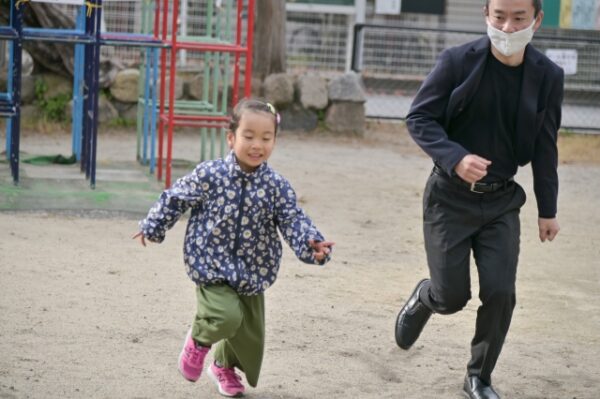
{"points": [[457, 221]]}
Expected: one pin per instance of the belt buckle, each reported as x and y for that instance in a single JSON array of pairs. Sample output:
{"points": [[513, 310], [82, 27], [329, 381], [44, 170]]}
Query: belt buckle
{"points": [[473, 189]]}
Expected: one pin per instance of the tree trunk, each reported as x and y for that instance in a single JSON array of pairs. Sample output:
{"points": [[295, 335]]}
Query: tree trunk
{"points": [[58, 58], [269, 38]]}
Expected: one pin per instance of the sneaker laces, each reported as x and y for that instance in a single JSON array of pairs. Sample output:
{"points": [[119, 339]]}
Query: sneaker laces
{"points": [[229, 377], [195, 355]]}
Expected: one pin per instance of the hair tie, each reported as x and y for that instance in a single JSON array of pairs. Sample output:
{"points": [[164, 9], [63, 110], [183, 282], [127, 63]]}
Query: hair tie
{"points": [[19, 2], [272, 110]]}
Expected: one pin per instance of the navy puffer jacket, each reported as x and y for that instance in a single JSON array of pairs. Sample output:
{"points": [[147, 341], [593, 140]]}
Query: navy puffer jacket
{"points": [[232, 235]]}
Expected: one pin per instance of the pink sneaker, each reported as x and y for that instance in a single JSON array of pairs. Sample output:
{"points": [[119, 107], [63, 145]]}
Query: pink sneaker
{"points": [[228, 382], [191, 358]]}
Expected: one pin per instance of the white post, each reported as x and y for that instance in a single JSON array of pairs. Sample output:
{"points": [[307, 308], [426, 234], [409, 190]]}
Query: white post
{"points": [[183, 29], [361, 7], [349, 40], [359, 18]]}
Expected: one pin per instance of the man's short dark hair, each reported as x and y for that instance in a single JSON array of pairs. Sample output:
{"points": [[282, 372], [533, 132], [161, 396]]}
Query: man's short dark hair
{"points": [[537, 6]]}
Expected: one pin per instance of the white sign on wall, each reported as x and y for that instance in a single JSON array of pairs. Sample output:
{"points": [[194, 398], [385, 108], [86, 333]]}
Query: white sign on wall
{"points": [[566, 59], [77, 2], [387, 7]]}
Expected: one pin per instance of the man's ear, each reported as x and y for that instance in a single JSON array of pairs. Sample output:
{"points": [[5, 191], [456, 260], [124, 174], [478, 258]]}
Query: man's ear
{"points": [[538, 20]]}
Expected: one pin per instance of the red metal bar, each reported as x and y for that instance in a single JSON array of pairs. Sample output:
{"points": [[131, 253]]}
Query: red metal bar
{"points": [[201, 124], [249, 45], [172, 78], [184, 117], [163, 77], [207, 124], [236, 64], [215, 118], [225, 48], [168, 117]]}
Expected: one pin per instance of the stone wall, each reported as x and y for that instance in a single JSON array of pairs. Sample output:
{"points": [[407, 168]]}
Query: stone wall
{"points": [[305, 102]]}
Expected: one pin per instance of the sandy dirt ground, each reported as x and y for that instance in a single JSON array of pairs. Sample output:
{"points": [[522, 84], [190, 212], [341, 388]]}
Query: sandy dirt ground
{"points": [[85, 312]]}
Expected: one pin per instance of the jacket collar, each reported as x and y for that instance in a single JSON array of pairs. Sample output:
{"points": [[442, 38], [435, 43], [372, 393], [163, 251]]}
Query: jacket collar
{"points": [[534, 71], [473, 66], [469, 76], [235, 169], [481, 45]]}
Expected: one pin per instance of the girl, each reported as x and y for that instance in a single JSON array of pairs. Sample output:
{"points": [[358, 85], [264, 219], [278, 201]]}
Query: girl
{"points": [[232, 250]]}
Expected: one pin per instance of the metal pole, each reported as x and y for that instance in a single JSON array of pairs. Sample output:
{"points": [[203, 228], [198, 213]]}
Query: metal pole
{"points": [[95, 92], [163, 77], [172, 79], [87, 97], [78, 88], [224, 96], [249, 45], [154, 111], [238, 42], [184, 31], [16, 21]]}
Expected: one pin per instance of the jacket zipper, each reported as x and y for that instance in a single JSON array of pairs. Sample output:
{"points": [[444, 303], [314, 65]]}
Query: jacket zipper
{"points": [[239, 218]]}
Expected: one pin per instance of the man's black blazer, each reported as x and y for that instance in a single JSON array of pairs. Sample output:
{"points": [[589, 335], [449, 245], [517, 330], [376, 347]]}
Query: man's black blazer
{"points": [[452, 84]]}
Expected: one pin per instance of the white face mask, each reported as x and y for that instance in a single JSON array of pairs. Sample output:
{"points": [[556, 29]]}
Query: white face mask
{"points": [[510, 43]]}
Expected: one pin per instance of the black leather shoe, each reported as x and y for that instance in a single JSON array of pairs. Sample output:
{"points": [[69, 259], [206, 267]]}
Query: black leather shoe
{"points": [[474, 388], [411, 319]]}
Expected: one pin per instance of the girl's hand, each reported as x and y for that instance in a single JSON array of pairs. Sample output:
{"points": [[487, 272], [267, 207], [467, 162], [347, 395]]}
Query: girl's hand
{"points": [[321, 248], [139, 235]]}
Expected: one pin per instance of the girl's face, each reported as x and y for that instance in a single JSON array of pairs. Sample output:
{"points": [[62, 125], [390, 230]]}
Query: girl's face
{"points": [[254, 139]]}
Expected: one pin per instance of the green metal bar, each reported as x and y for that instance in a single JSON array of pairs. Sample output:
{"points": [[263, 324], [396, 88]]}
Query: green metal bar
{"points": [[213, 140], [206, 76], [147, 24], [225, 90]]}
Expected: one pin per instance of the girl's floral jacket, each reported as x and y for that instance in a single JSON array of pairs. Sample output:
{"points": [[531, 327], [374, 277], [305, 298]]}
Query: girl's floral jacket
{"points": [[232, 235]]}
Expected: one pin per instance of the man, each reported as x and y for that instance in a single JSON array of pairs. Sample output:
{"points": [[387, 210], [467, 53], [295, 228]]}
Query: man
{"points": [[486, 108]]}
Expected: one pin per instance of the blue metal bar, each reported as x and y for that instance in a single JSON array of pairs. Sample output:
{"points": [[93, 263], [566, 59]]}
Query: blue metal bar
{"points": [[95, 91], [146, 117], [9, 85], [78, 84], [8, 33], [57, 35], [131, 40], [87, 39], [7, 110], [16, 22], [154, 110], [87, 97]]}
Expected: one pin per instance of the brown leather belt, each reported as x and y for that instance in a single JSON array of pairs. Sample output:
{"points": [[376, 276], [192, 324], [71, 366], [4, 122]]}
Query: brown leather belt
{"points": [[477, 187]]}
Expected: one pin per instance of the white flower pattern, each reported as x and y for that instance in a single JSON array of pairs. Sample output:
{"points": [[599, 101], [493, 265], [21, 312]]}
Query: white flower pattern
{"points": [[231, 235]]}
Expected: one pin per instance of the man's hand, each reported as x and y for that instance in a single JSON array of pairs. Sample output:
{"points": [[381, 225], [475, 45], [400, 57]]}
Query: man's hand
{"points": [[139, 235], [472, 168], [548, 228], [321, 248]]}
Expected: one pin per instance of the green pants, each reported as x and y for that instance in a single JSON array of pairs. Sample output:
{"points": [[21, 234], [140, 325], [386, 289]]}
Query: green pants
{"points": [[236, 324]]}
